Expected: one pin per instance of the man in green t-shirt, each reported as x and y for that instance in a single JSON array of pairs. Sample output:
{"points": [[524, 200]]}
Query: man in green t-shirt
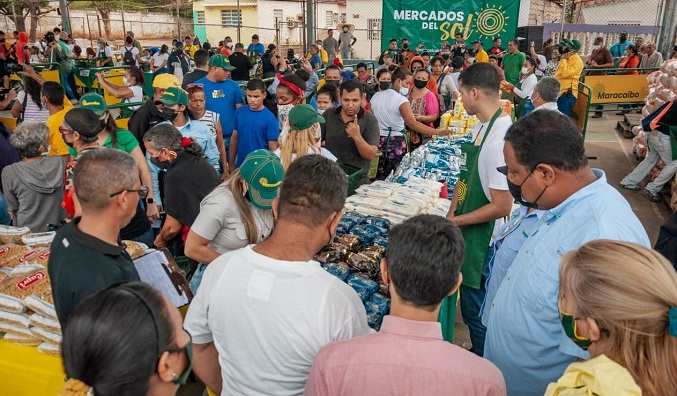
{"points": [[512, 62]]}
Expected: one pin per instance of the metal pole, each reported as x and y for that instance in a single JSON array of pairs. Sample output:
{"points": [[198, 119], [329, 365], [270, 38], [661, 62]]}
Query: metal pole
{"points": [[668, 28], [178, 21], [561, 27], [89, 29], [310, 24], [122, 13], [65, 16], [239, 21]]}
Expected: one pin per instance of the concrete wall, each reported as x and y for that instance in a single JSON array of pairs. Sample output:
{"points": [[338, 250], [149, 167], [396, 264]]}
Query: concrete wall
{"points": [[544, 11]]}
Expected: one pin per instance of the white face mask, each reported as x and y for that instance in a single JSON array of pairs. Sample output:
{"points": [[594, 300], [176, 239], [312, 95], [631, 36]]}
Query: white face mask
{"points": [[404, 91], [125, 81], [595, 47], [471, 60], [229, 44], [525, 70], [345, 30]]}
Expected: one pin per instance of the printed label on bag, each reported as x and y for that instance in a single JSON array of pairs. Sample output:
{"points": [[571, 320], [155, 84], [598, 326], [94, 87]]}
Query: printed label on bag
{"points": [[28, 281], [28, 256]]}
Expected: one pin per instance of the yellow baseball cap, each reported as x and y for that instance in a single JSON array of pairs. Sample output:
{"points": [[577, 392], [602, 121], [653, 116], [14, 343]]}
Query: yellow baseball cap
{"points": [[164, 81]]}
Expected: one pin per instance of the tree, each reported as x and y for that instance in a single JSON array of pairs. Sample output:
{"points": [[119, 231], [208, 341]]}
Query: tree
{"points": [[104, 10], [18, 11]]}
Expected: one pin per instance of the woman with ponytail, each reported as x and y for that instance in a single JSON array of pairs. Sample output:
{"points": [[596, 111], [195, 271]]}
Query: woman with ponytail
{"points": [[189, 178], [234, 215], [618, 300], [125, 340]]}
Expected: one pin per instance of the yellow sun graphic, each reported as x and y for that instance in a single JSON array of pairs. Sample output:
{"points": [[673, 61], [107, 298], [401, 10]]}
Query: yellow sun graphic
{"points": [[462, 190], [599, 87], [490, 21]]}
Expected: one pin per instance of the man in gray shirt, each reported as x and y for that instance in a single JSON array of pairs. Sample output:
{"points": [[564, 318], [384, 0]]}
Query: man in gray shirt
{"points": [[330, 45], [652, 58], [350, 132], [346, 40]]}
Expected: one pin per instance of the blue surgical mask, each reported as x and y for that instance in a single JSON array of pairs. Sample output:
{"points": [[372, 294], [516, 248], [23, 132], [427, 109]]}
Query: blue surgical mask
{"points": [[404, 91], [320, 112]]}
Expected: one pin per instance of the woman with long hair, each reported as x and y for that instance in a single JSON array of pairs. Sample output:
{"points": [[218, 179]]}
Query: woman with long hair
{"points": [[304, 136], [631, 60], [618, 300], [393, 112], [127, 339], [188, 179], [446, 87], [29, 102], [158, 63], [233, 215]]}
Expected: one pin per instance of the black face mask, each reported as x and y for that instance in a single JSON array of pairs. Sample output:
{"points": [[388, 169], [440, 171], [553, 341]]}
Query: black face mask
{"points": [[405, 46], [168, 114], [69, 144], [2, 40], [160, 164], [516, 190], [420, 84], [384, 85]]}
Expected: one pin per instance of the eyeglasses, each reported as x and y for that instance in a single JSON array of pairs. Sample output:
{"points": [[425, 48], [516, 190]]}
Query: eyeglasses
{"points": [[142, 191], [195, 85], [66, 131]]}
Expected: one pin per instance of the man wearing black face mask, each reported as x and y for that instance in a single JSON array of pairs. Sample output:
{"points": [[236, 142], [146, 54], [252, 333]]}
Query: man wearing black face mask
{"points": [[545, 159]]}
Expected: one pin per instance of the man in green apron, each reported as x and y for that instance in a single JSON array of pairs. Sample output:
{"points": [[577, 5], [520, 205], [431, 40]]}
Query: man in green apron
{"points": [[481, 196]]}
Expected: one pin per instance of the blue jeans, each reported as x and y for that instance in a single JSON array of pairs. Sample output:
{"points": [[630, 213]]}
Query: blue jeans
{"points": [[471, 304], [4, 214], [196, 279]]}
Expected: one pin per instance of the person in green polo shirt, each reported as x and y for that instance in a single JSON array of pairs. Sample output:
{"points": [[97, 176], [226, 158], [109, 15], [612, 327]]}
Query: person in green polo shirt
{"points": [[512, 62]]}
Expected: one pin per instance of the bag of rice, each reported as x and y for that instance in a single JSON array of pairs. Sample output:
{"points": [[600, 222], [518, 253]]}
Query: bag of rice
{"points": [[14, 329], [49, 349], [46, 335], [22, 340], [9, 234], [14, 318], [45, 323], [135, 249], [13, 290], [40, 239], [44, 305]]}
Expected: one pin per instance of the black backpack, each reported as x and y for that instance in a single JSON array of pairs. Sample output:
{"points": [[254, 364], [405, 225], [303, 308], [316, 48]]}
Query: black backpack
{"points": [[128, 58]]}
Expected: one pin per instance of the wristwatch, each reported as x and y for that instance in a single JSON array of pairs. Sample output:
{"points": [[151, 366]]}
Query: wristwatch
{"points": [[150, 200]]}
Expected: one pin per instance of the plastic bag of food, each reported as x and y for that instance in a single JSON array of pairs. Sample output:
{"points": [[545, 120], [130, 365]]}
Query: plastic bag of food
{"points": [[374, 319], [353, 242], [33, 260], [328, 257], [14, 290], [40, 239], [366, 235], [380, 241], [339, 270], [135, 249], [11, 252], [45, 323], [46, 335], [361, 282], [22, 340], [375, 191], [378, 222], [44, 305], [363, 263], [9, 234], [14, 329], [14, 318], [375, 252], [49, 349]]}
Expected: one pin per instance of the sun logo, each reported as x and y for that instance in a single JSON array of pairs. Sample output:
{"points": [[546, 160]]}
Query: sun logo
{"points": [[462, 190], [491, 21]]}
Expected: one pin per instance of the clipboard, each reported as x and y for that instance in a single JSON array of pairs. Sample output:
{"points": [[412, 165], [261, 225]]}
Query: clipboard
{"points": [[159, 269]]}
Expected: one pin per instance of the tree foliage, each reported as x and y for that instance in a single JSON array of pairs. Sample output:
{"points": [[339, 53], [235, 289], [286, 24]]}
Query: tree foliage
{"points": [[18, 10]]}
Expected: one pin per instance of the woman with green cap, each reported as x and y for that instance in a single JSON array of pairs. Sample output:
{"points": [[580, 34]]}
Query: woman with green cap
{"points": [[304, 136], [236, 213]]}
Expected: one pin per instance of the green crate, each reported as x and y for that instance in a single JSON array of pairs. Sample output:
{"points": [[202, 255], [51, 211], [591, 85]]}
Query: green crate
{"points": [[183, 263], [373, 168], [354, 174]]}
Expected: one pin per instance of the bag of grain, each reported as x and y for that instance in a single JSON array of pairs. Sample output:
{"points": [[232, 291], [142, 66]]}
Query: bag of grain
{"points": [[14, 289], [9, 234]]}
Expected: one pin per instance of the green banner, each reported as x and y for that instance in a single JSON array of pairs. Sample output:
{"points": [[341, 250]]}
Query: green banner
{"points": [[431, 22]]}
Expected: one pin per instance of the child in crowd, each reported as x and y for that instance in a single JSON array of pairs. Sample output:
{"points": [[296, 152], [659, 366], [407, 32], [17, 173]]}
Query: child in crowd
{"points": [[618, 300], [254, 126], [289, 93], [326, 98], [304, 136]]}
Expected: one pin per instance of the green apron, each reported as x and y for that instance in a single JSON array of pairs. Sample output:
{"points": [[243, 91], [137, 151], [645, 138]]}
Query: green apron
{"points": [[471, 197], [102, 56]]}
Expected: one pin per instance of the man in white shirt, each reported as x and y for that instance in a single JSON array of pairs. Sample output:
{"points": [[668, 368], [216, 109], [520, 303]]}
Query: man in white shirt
{"points": [[481, 198], [546, 93], [263, 312]]}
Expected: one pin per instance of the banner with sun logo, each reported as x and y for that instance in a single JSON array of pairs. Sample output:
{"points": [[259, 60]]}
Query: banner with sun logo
{"points": [[430, 22]]}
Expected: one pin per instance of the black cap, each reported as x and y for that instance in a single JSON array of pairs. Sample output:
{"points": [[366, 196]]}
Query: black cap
{"points": [[84, 121]]}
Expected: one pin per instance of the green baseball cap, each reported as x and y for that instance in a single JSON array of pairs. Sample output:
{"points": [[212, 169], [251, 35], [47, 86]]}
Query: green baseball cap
{"points": [[302, 117], [221, 61], [173, 96], [387, 54], [94, 102], [575, 45], [263, 173]]}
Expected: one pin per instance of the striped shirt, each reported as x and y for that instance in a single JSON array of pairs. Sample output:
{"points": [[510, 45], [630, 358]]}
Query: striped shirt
{"points": [[32, 111], [211, 119]]}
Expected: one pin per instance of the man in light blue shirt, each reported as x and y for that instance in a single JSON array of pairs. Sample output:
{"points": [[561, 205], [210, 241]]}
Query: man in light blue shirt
{"points": [[507, 241], [546, 161]]}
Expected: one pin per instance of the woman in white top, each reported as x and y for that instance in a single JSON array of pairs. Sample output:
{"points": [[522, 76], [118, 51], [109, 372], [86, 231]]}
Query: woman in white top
{"points": [[158, 64], [230, 218], [129, 47], [196, 104], [304, 136], [393, 112], [525, 87], [29, 100], [131, 92], [446, 85]]}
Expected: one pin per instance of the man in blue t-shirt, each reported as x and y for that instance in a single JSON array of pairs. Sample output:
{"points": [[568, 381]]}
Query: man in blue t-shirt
{"points": [[222, 94], [255, 46], [255, 127]]}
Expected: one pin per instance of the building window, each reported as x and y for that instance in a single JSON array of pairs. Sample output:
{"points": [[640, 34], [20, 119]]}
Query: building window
{"points": [[200, 18], [329, 19], [229, 18], [374, 31], [277, 15]]}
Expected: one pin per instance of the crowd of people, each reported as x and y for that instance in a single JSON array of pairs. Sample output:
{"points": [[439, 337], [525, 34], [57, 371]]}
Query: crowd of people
{"points": [[561, 296]]}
